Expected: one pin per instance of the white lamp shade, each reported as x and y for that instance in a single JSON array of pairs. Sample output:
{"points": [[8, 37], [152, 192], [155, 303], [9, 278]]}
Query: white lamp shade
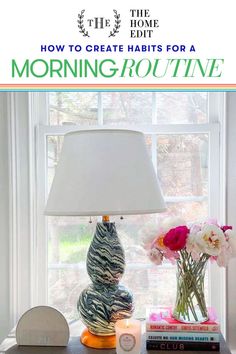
{"points": [[104, 172]]}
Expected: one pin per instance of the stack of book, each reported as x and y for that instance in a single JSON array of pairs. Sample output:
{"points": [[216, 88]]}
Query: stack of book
{"points": [[163, 332]]}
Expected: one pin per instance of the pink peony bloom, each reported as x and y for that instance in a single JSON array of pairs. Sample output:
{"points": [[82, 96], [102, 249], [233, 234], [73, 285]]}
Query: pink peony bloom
{"points": [[224, 256], [231, 241], [195, 228], [192, 247], [212, 221], [213, 258], [226, 227], [155, 317], [172, 256], [176, 238], [155, 256]]}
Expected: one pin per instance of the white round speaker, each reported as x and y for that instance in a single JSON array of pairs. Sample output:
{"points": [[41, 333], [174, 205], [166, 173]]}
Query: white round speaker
{"points": [[42, 326]]}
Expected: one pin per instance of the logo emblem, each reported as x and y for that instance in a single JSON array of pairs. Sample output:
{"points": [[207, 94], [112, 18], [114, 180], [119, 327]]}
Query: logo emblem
{"points": [[95, 23]]}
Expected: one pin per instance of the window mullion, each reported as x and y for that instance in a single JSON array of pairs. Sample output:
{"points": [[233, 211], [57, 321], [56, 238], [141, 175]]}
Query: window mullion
{"points": [[154, 136], [154, 108], [100, 108], [217, 283], [146, 129]]}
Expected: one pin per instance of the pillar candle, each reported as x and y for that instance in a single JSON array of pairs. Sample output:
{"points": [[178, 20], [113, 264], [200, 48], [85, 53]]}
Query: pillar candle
{"points": [[128, 336]]}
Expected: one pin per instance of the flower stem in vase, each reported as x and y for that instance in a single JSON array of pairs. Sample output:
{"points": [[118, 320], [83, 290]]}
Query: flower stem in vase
{"points": [[190, 303]]}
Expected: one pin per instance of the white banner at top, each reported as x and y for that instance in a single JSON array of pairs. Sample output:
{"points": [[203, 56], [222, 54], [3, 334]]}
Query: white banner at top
{"points": [[118, 42]]}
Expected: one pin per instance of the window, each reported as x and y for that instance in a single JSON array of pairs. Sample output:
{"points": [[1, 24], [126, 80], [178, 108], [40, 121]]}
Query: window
{"points": [[182, 135], [185, 134]]}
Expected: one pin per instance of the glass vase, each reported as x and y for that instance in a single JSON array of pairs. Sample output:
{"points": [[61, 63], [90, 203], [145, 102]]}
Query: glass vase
{"points": [[190, 305]]}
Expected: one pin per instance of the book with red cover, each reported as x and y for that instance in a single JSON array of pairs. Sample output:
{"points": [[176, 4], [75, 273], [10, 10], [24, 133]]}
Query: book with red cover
{"points": [[161, 319]]}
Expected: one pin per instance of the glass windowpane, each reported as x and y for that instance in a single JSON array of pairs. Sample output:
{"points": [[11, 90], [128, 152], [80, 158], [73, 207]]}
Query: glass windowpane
{"points": [[181, 107], [127, 107], [182, 164], [73, 108]]}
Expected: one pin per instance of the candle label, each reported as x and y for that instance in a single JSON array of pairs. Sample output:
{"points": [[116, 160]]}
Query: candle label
{"points": [[127, 342]]}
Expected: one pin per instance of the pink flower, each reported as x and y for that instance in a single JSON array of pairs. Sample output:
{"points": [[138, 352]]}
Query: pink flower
{"points": [[226, 227], [231, 240], [154, 317], [192, 246], [212, 221], [213, 258], [171, 255], [195, 228], [224, 256], [155, 256], [176, 238]]}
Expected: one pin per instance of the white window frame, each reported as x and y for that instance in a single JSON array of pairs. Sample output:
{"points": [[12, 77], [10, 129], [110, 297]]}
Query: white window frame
{"points": [[28, 118]]}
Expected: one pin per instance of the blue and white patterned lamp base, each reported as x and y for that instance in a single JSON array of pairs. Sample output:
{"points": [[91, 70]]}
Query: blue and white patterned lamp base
{"points": [[104, 301]]}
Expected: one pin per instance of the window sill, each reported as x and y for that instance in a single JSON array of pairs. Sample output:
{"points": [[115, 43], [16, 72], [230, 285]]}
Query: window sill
{"points": [[9, 345]]}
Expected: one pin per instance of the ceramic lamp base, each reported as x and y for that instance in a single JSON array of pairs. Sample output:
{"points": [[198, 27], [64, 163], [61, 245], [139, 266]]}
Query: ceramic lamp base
{"points": [[97, 342], [105, 301]]}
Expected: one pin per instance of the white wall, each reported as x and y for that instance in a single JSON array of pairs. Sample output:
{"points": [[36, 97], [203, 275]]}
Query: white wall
{"points": [[231, 216], [4, 221]]}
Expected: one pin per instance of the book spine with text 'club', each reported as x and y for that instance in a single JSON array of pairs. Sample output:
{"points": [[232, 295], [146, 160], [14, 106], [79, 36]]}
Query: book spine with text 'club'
{"points": [[181, 345], [183, 336]]}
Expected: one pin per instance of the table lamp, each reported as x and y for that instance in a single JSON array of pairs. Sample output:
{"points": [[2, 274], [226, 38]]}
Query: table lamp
{"points": [[104, 172]]}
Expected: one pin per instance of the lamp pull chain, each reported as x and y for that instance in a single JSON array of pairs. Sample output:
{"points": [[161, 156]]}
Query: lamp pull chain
{"points": [[90, 220]]}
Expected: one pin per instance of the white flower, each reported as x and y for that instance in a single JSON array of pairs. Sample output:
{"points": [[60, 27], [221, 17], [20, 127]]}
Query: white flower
{"points": [[148, 232], [210, 240], [170, 223], [231, 236], [195, 228]]}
